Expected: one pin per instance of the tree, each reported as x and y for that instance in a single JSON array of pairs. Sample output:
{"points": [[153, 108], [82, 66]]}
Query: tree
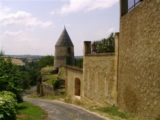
{"points": [[79, 62], [105, 45], [10, 78], [46, 61]]}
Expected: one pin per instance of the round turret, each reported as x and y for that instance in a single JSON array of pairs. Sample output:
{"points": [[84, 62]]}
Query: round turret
{"points": [[64, 50]]}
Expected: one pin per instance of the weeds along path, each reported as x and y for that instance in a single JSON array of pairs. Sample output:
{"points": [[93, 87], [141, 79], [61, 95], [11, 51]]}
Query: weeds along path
{"points": [[62, 111]]}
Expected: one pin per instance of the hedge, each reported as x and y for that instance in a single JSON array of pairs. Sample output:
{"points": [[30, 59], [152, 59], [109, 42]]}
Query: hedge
{"points": [[7, 106]]}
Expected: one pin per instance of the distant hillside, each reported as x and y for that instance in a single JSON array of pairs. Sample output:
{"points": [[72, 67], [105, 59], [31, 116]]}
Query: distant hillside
{"points": [[15, 61], [25, 58]]}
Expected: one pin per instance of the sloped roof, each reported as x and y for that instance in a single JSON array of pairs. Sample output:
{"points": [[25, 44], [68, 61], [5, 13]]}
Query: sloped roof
{"points": [[64, 39]]}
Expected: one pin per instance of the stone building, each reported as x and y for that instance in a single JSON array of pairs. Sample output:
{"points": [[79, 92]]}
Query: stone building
{"points": [[64, 50], [96, 81], [139, 57], [129, 77]]}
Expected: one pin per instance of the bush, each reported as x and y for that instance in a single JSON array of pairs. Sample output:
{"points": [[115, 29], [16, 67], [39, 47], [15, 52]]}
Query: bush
{"points": [[79, 62], [46, 61], [105, 45], [7, 106], [56, 84], [11, 78]]}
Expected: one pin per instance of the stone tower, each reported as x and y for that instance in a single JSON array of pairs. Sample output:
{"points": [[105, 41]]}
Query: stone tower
{"points": [[64, 50]]}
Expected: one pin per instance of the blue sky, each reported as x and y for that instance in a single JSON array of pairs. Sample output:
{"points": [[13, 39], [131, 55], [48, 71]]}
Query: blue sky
{"points": [[33, 26]]}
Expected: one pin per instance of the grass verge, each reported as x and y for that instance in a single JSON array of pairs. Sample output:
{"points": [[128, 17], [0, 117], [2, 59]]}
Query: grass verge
{"points": [[27, 111], [113, 111]]}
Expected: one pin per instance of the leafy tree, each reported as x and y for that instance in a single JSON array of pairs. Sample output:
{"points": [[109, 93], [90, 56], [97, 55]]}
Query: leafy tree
{"points": [[79, 62], [46, 61], [10, 78], [33, 72], [105, 45]]}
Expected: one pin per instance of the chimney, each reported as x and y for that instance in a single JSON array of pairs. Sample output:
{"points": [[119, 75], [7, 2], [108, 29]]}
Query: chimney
{"points": [[87, 47]]}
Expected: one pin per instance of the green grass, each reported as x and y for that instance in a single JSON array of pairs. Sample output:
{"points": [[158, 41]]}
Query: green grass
{"points": [[50, 78], [114, 111], [27, 111], [46, 70], [47, 76]]}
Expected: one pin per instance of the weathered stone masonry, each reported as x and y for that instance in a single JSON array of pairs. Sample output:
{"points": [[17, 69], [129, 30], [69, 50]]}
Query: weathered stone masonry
{"points": [[130, 77], [139, 60], [70, 75], [99, 78]]}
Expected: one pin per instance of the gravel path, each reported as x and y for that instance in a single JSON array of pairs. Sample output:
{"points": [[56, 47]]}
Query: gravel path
{"points": [[62, 111]]}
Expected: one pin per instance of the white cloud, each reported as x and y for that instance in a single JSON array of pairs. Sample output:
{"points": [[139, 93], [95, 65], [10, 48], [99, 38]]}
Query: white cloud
{"points": [[13, 33], [53, 12], [86, 5], [20, 18], [25, 42], [21, 31]]}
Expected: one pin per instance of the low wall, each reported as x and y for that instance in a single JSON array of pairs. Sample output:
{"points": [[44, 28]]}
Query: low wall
{"points": [[47, 89], [70, 74], [100, 83], [44, 89]]}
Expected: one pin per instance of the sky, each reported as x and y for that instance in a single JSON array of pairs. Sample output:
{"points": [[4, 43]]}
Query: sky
{"points": [[32, 27]]}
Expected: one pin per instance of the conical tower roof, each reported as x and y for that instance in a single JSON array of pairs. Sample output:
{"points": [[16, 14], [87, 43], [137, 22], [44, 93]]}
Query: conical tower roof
{"points": [[64, 39]]}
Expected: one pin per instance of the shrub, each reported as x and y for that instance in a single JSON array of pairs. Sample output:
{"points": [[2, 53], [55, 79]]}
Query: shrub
{"points": [[105, 45], [7, 106], [56, 84], [11, 78]]}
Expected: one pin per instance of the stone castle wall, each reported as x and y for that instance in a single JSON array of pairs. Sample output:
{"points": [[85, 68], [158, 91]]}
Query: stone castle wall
{"points": [[139, 60], [99, 78], [70, 74], [47, 89], [129, 78]]}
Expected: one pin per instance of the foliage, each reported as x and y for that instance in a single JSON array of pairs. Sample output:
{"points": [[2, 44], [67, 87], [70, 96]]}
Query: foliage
{"points": [[46, 61], [105, 45], [79, 62], [62, 72], [7, 106], [11, 78], [113, 110], [27, 111], [32, 73], [47, 70], [32, 70], [50, 78], [56, 84], [47, 75]]}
